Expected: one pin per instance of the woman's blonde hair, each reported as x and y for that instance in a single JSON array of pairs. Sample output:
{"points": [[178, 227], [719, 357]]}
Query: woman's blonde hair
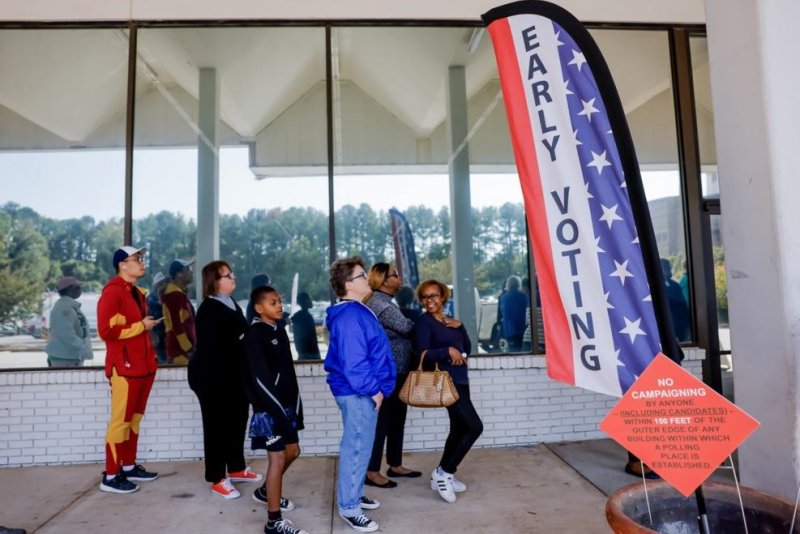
{"points": [[377, 274]]}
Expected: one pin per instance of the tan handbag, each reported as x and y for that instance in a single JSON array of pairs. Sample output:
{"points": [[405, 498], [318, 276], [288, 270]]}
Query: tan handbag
{"points": [[429, 389]]}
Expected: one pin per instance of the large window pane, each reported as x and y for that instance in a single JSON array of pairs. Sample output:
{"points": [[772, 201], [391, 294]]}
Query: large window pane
{"points": [[266, 89], [390, 144], [62, 162], [499, 231], [640, 64]]}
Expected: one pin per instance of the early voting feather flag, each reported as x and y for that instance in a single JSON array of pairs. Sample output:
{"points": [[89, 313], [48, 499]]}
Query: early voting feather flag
{"points": [[404, 252], [602, 290]]}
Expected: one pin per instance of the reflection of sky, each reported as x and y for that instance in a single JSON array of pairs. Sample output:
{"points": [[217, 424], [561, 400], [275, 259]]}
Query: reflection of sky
{"points": [[74, 183]]}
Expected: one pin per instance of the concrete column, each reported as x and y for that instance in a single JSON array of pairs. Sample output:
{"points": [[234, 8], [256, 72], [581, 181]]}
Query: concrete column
{"points": [[207, 174], [461, 204], [754, 78]]}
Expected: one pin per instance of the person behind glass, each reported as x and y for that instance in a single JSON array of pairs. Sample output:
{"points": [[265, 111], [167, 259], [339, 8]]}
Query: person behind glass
{"points": [[385, 283], [444, 340], [158, 334], [216, 375], [69, 343], [405, 300], [179, 313], [678, 307], [361, 372], [275, 396], [259, 280], [512, 306], [304, 329], [123, 323]]}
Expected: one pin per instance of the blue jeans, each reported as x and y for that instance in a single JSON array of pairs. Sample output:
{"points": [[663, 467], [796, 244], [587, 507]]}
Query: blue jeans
{"points": [[359, 418]]}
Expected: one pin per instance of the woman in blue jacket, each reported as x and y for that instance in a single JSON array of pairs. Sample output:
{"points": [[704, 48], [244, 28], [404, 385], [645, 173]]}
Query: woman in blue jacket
{"points": [[361, 372], [444, 340]]}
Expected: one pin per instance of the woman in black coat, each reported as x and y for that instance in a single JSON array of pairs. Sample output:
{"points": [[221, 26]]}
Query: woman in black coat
{"points": [[216, 375]]}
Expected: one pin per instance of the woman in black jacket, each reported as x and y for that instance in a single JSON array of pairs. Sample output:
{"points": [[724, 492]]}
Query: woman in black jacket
{"points": [[216, 375]]}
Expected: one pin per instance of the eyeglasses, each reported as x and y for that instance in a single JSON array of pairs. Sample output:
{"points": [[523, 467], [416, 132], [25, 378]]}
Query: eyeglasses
{"points": [[137, 259], [430, 296], [356, 277], [229, 276], [393, 275]]}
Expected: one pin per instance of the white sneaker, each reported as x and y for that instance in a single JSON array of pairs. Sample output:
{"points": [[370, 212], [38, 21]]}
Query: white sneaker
{"points": [[458, 486], [444, 485]]}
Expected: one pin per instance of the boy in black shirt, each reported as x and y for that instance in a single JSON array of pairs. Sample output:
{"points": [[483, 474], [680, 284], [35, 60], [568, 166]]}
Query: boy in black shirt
{"points": [[275, 396]]}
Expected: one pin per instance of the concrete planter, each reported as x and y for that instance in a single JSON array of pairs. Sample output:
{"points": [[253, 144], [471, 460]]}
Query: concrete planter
{"points": [[626, 510]]}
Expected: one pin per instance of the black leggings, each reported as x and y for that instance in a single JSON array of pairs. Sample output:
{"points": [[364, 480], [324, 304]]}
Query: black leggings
{"points": [[465, 428], [224, 425]]}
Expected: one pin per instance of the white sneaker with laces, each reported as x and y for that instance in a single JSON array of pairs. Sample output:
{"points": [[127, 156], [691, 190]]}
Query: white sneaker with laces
{"points": [[444, 485], [458, 486]]}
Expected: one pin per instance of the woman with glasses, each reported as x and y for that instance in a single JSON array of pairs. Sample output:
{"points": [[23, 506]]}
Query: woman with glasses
{"points": [[444, 340], [361, 374], [216, 375], [385, 283]]}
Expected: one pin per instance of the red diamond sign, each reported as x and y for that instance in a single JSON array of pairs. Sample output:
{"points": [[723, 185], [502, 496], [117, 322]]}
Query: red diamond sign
{"points": [[677, 425]]}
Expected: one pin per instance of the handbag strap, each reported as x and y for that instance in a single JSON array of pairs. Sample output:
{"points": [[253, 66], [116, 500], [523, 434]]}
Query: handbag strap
{"points": [[422, 357]]}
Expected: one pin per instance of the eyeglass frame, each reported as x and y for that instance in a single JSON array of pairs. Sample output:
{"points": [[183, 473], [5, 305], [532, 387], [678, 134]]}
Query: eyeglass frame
{"points": [[430, 296], [229, 275], [354, 278], [138, 259]]}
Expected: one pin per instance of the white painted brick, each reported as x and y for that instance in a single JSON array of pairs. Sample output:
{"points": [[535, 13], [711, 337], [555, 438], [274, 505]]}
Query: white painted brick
{"points": [[68, 411]]}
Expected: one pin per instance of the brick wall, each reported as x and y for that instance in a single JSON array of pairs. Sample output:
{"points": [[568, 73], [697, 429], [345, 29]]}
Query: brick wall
{"points": [[59, 417]]}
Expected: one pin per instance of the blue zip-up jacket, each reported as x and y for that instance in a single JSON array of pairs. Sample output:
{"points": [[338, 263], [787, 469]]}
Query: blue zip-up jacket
{"points": [[359, 360]]}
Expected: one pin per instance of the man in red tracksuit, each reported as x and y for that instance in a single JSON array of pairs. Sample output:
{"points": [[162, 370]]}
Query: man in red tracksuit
{"points": [[124, 325]]}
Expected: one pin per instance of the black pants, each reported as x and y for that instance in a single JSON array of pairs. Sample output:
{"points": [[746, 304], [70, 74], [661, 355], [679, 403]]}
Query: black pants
{"points": [[465, 428], [390, 429], [224, 425]]}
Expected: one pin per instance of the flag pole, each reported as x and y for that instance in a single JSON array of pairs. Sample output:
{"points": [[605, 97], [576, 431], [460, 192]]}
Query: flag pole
{"points": [[702, 514]]}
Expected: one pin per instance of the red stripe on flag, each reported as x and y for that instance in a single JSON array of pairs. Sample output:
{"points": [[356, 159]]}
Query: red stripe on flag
{"points": [[398, 258], [560, 365]]}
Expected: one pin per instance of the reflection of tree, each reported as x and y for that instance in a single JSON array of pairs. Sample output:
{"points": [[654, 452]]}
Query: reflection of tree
{"points": [[24, 262], [721, 283], [279, 242]]}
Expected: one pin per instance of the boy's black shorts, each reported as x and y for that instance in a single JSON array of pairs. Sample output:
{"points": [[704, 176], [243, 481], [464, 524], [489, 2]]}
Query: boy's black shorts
{"points": [[275, 443]]}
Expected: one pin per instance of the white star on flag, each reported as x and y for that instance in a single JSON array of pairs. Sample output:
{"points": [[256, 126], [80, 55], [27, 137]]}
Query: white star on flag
{"points": [[609, 306], [578, 59], [632, 329], [586, 188], [566, 88], [588, 109], [621, 271], [599, 162], [575, 136], [597, 249], [610, 214]]}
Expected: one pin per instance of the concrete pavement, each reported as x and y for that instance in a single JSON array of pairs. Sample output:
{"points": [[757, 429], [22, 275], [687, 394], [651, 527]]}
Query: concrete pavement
{"points": [[522, 489]]}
